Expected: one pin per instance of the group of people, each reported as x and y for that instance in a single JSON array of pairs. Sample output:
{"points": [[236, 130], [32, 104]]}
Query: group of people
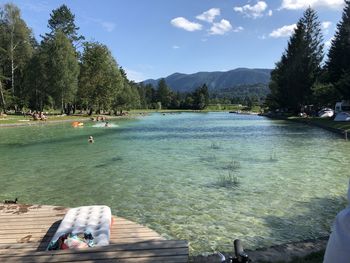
{"points": [[99, 118], [38, 116]]}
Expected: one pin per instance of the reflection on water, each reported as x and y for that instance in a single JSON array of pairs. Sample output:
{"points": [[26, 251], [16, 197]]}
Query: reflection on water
{"points": [[163, 171]]}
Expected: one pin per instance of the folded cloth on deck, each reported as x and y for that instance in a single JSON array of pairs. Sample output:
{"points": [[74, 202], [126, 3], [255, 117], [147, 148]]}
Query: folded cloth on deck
{"points": [[89, 220], [67, 241]]}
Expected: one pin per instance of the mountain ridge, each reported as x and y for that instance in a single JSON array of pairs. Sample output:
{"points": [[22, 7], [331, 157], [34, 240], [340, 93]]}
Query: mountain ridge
{"points": [[215, 80]]}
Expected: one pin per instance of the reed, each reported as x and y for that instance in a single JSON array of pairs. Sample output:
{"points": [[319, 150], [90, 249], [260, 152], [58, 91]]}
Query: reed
{"points": [[231, 178]]}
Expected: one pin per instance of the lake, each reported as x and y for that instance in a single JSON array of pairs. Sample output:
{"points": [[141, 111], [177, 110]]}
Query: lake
{"points": [[205, 177]]}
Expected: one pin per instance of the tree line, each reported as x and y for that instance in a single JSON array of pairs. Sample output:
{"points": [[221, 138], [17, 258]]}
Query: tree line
{"points": [[303, 77], [63, 71]]}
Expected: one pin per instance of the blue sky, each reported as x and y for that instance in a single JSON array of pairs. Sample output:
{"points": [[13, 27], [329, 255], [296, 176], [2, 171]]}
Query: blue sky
{"points": [[155, 38]]}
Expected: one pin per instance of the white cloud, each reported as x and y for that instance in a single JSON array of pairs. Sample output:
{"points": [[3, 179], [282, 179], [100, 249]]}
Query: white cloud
{"points": [[303, 4], [284, 31], [175, 47], [270, 13], [220, 28], [253, 11], [238, 29], [38, 6], [209, 15], [135, 75], [325, 26], [108, 26], [183, 23]]}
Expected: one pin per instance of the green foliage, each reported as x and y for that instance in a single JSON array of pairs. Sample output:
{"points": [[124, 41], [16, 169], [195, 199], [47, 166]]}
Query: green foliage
{"points": [[62, 70], [62, 19], [299, 68], [337, 65], [200, 97], [16, 48], [163, 94], [230, 179], [100, 81], [36, 81], [324, 94], [239, 94], [164, 98]]}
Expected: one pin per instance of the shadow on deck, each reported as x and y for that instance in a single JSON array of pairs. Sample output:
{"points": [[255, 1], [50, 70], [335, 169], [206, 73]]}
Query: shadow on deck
{"points": [[26, 230]]}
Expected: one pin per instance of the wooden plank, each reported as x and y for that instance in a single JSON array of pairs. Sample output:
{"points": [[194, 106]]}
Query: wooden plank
{"points": [[172, 259], [168, 244], [123, 247], [36, 237], [27, 229], [48, 257], [163, 259]]}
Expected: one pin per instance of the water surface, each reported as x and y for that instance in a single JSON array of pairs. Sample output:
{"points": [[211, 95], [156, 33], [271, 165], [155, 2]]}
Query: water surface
{"points": [[166, 171]]}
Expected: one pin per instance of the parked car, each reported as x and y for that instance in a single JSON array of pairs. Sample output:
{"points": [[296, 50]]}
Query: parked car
{"points": [[325, 113], [342, 116]]}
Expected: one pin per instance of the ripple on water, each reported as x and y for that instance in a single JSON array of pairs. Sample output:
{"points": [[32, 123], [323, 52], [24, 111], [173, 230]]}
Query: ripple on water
{"points": [[164, 171]]}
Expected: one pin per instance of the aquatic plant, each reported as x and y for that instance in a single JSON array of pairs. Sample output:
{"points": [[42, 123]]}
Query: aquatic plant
{"points": [[214, 146], [233, 165], [273, 157], [230, 179]]}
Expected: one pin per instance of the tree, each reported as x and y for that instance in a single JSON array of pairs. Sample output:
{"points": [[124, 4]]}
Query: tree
{"points": [[100, 80], [300, 66], [163, 93], [62, 19], [36, 80], [16, 47], [62, 70], [337, 65], [200, 97]]}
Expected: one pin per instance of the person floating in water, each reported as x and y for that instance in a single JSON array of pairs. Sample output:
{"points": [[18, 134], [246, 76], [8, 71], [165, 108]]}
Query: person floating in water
{"points": [[107, 124], [91, 139]]}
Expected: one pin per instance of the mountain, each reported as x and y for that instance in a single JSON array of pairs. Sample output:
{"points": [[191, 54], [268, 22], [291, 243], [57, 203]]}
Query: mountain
{"points": [[215, 81]]}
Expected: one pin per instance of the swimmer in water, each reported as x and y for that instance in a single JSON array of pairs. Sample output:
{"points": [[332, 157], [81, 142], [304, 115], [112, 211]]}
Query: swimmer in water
{"points": [[106, 125], [91, 139]]}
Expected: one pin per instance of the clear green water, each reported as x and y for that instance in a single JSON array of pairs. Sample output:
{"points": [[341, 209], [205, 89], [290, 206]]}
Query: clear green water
{"points": [[164, 171]]}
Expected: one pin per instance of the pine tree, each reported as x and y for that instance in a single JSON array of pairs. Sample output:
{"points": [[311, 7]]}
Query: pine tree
{"points": [[338, 65], [62, 19], [299, 68], [163, 93]]}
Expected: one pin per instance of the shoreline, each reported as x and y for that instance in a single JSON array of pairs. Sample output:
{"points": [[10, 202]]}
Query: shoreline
{"points": [[344, 133], [30, 122]]}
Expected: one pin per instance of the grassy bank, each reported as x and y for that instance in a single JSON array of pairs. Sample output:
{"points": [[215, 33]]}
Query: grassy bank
{"points": [[341, 128], [20, 120], [326, 122]]}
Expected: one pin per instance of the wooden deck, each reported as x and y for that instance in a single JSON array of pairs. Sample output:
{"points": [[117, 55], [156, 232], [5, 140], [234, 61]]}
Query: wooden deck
{"points": [[26, 230]]}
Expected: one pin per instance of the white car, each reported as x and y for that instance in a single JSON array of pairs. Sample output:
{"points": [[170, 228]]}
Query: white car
{"points": [[342, 116], [326, 113]]}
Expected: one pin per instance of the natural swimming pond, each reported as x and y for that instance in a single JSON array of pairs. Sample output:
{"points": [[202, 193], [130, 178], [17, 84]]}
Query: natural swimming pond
{"points": [[174, 174]]}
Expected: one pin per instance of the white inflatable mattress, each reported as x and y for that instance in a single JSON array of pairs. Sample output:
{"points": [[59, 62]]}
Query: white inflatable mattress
{"points": [[95, 219]]}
